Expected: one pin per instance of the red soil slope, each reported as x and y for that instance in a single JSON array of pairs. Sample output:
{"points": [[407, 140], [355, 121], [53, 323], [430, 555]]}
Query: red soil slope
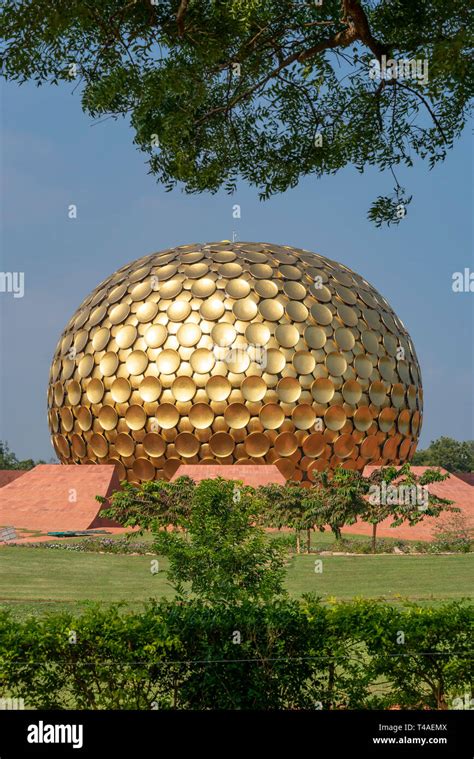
{"points": [[8, 475], [51, 497]]}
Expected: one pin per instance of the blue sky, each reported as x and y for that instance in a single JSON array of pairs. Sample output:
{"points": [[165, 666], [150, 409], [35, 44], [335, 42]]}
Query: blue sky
{"points": [[52, 156]]}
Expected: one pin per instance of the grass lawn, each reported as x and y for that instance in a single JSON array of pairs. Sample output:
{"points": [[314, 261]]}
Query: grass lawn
{"points": [[35, 580], [419, 578]]}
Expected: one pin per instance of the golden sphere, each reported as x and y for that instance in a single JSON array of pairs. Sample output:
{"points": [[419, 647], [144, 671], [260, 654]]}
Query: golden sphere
{"points": [[234, 352]]}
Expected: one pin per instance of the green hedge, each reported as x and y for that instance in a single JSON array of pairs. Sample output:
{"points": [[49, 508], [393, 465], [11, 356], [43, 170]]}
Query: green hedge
{"points": [[291, 655]]}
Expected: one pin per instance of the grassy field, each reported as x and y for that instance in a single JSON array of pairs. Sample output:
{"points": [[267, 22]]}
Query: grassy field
{"points": [[34, 580]]}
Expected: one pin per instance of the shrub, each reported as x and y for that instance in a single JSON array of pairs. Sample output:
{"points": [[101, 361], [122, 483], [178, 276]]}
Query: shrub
{"points": [[286, 654], [454, 535], [221, 554], [425, 653], [94, 545], [384, 545]]}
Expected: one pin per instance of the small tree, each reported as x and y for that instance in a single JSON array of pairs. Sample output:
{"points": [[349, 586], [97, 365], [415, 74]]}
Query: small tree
{"points": [[223, 554], [150, 505], [454, 534], [285, 506], [399, 493], [335, 500]]}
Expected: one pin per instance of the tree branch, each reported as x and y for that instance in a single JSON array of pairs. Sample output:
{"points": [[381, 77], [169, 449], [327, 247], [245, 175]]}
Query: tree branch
{"points": [[341, 39], [357, 28], [183, 7], [355, 12], [427, 106]]}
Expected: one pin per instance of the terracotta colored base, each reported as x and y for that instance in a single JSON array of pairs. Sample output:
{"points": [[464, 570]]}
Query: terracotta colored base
{"points": [[52, 497], [249, 474], [8, 475]]}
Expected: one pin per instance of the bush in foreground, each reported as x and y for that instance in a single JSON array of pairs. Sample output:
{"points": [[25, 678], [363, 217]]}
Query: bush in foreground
{"points": [[285, 654]]}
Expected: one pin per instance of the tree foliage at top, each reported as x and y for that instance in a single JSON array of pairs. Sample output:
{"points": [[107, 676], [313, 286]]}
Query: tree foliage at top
{"points": [[452, 455], [9, 460], [264, 90]]}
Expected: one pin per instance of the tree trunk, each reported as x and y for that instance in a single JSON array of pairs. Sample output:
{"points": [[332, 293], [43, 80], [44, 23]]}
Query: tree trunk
{"points": [[298, 542], [331, 679], [337, 533], [374, 538], [175, 692], [440, 697], [308, 540]]}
